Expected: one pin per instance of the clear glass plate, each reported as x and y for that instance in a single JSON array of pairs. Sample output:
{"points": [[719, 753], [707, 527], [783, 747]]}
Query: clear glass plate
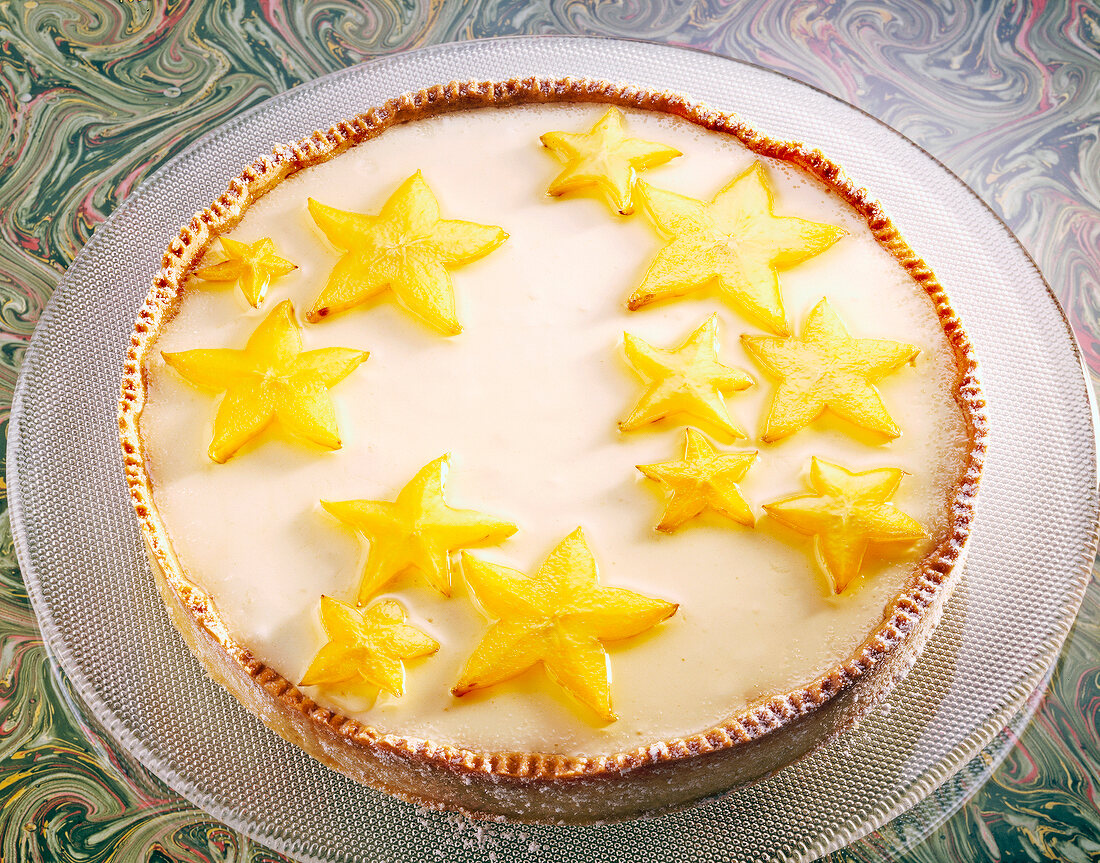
{"points": [[1029, 562]]}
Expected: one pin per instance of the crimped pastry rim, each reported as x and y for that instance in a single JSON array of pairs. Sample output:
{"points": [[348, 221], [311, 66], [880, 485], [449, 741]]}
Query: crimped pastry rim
{"points": [[917, 603]]}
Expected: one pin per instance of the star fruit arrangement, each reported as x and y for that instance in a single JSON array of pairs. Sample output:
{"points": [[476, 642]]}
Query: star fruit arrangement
{"points": [[561, 616]]}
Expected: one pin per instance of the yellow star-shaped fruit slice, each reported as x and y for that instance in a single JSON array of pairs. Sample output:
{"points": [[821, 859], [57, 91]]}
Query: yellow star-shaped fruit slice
{"points": [[560, 618], [848, 512], [407, 248], [251, 266], [704, 479], [271, 381], [687, 380], [366, 649], [417, 530], [826, 368], [605, 157], [735, 242]]}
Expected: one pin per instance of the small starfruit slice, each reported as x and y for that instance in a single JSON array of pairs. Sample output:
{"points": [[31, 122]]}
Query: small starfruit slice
{"points": [[418, 530], [366, 649], [734, 242], [271, 380], [847, 512], [825, 368], [704, 479], [408, 247], [687, 381], [252, 266], [560, 617], [604, 157]]}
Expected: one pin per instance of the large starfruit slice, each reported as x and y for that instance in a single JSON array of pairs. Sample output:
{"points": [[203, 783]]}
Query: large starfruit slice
{"points": [[846, 513], [735, 242], [271, 381], [560, 617], [408, 248], [825, 368]]}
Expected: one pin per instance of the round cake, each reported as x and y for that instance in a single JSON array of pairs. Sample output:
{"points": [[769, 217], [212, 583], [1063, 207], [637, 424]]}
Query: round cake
{"points": [[551, 449]]}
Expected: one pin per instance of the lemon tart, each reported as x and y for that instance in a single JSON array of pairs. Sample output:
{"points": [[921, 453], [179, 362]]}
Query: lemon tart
{"points": [[551, 450]]}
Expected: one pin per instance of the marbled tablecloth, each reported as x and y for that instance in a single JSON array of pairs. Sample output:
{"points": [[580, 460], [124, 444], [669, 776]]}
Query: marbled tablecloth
{"points": [[97, 94]]}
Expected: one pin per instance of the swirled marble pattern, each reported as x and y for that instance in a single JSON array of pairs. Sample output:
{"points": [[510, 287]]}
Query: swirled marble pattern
{"points": [[98, 93]]}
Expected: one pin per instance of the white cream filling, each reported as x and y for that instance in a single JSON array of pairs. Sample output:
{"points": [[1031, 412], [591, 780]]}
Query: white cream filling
{"points": [[526, 400]]}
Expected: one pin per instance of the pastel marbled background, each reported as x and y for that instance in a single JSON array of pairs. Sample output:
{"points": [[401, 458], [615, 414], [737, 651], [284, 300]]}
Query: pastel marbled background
{"points": [[98, 94]]}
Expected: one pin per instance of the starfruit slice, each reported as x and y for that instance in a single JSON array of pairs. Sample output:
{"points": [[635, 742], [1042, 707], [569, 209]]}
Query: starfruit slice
{"points": [[252, 266], [735, 242], [271, 381], [366, 649], [687, 381], [704, 479], [847, 512], [408, 248], [560, 617], [604, 157], [825, 368], [418, 530]]}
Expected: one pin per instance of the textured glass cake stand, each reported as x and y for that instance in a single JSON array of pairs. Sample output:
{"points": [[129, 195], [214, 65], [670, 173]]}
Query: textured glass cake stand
{"points": [[944, 728]]}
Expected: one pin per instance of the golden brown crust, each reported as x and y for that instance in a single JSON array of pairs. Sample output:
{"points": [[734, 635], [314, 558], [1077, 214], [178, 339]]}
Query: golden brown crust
{"points": [[656, 777]]}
